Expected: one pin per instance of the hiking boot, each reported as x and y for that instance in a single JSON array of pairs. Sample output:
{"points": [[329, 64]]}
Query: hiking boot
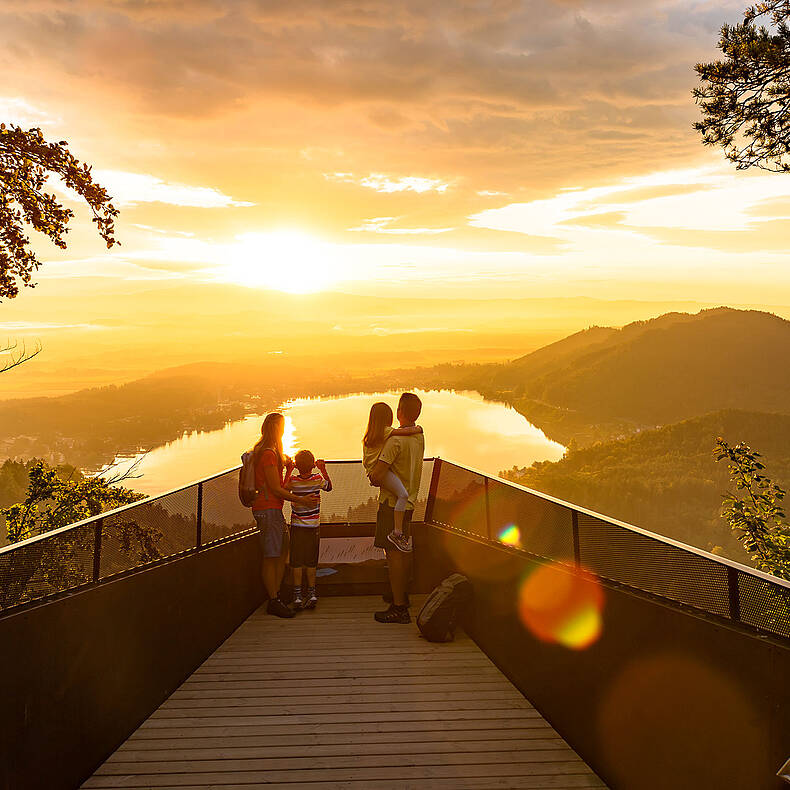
{"points": [[278, 608], [395, 614], [399, 541], [311, 602]]}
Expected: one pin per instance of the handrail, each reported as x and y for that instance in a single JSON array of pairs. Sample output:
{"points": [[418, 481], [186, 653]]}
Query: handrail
{"points": [[145, 501], [36, 569], [711, 585], [631, 527], [115, 511], [731, 596]]}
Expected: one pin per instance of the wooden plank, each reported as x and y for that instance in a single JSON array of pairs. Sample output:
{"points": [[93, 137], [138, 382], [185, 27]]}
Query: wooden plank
{"points": [[425, 772], [550, 761], [315, 698], [340, 672], [456, 783], [246, 717], [227, 749], [192, 688], [348, 708], [403, 727]]}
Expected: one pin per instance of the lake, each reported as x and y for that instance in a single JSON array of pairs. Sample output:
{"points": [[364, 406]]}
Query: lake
{"points": [[459, 426]]}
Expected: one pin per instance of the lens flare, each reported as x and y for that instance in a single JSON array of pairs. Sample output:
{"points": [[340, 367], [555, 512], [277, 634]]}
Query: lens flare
{"points": [[561, 606], [510, 535]]}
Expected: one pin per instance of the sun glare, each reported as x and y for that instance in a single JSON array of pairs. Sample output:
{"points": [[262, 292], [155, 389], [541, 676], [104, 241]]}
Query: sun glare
{"points": [[286, 260]]}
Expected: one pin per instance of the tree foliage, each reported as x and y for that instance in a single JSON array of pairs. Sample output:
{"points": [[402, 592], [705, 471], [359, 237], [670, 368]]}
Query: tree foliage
{"points": [[756, 512], [54, 501], [745, 97], [26, 161]]}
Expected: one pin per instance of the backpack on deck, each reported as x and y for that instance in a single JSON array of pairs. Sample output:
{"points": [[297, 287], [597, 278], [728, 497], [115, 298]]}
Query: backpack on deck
{"points": [[247, 490], [440, 614]]}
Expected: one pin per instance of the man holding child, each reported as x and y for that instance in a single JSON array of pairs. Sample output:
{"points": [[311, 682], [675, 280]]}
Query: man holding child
{"points": [[402, 455]]}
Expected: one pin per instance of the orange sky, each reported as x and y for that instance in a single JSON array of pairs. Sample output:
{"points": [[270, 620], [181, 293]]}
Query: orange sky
{"points": [[480, 149]]}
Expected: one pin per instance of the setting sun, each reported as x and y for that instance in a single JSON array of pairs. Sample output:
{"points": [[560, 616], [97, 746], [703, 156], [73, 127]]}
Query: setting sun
{"points": [[285, 260]]}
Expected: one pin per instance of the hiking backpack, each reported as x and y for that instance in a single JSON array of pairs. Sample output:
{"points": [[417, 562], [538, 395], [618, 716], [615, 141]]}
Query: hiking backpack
{"points": [[247, 490], [445, 606]]}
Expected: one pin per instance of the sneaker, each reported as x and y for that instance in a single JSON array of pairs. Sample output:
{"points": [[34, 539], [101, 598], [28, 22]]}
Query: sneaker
{"points": [[297, 602], [400, 541], [395, 614], [312, 600], [278, 608]]}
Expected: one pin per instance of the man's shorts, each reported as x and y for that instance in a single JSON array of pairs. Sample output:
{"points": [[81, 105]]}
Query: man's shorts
{"points": [[304, 547], [272, 532], [385, 523]]}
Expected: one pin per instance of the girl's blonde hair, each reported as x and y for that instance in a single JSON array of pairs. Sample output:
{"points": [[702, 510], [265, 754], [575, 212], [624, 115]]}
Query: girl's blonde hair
{"points": [[272, 437], [380, 418]]}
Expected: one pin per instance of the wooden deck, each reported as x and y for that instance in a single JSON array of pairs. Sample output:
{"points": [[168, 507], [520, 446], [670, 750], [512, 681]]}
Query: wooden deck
{"points": [[332, 699]]}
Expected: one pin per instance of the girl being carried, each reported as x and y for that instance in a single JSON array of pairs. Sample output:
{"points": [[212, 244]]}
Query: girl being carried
{"points": [[378, 433]]}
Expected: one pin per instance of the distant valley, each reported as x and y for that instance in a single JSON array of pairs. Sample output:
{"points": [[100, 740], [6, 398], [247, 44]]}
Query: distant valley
{"points": [[639, 409]]}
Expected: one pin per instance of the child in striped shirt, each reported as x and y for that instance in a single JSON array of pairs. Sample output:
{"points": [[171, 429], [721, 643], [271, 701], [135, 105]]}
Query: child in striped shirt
{"points": [[304, 480]]}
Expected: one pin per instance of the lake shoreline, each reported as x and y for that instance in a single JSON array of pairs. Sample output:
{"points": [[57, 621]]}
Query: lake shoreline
{"points": [[461, 425]]}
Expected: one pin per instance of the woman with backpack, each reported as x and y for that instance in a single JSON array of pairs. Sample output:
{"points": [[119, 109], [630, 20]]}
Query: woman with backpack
{"points": [[271, 469]]}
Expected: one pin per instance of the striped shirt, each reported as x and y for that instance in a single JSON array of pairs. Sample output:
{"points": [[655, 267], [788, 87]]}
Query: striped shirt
{"points": [[310, 515]]}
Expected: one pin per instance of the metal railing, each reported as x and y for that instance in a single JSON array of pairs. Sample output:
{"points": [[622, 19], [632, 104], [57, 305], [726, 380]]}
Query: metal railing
{"points": [[207, 513], [519, 519], [193, 517]]}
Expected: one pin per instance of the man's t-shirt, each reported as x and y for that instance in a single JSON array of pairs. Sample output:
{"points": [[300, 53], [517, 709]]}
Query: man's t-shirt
{"points": [[307, 515], [264, 500], [404, 455]]}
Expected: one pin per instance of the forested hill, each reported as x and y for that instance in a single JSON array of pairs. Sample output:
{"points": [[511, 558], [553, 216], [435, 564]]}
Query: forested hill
{"points": [[667, 480], [661, 371]]}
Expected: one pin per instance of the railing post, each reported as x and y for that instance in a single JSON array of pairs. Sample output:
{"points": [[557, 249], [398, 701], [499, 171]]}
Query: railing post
{"points": [[199, 524], [577, 549], [97, 549], [488, 510], [432, 489], [734, 594]]}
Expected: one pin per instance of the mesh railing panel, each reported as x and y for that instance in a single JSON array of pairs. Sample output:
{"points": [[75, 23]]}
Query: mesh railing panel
{"points": [[460, 500], [763, 604], [464, 500], [510, 515], [631, 558], [163, 527], [47, 566], [537, 525], [353, 500], [223, 513], [149, 532]]}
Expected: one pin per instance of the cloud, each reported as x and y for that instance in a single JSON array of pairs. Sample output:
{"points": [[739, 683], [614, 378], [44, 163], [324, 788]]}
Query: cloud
{"points": [[14, 109], [383, 183], [504, 94], [380, 225], [129, 189], [705, 200]]}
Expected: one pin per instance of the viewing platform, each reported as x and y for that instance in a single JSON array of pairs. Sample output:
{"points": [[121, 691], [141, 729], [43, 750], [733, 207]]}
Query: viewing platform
{"points": [[134, 652], [333, 698]]}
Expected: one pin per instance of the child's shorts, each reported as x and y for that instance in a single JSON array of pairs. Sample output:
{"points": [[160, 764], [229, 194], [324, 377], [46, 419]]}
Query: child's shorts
{"points": [[304, 547]]}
